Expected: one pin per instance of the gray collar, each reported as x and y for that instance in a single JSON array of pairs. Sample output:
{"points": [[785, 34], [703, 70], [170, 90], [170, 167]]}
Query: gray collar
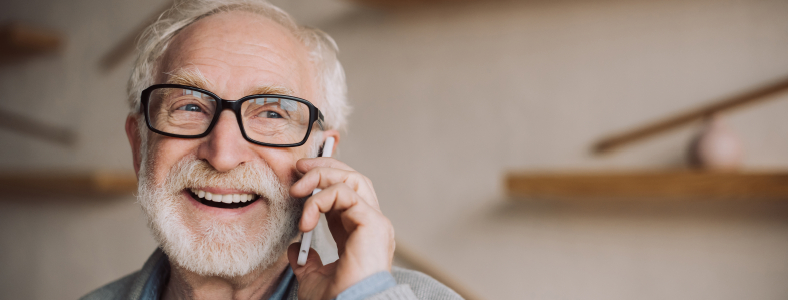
{"points": [[160, 276]]}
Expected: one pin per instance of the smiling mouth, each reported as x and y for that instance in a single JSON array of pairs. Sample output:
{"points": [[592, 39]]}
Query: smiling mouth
{"points": [[222, 201]]}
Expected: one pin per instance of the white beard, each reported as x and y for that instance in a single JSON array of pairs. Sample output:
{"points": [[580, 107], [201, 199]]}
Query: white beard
{"points": [[213, 247]]}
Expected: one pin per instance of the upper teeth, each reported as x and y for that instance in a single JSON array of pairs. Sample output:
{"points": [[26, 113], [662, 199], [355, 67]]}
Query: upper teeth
{"points": [[226, 198]]}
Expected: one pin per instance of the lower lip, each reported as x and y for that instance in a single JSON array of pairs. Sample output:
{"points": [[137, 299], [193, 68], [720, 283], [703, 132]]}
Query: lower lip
{"points": [[220, 211]]}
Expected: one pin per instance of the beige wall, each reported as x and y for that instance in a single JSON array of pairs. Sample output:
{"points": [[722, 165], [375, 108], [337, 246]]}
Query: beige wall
{"points": [[446, 100]]}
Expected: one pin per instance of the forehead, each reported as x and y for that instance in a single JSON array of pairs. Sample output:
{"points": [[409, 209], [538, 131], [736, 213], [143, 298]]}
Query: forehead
{"points": [[240, 52]]}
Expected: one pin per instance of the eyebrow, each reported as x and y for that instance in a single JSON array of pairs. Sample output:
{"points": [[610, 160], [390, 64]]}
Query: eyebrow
{"points": [[278, 90], [195, 78], [190, 77]]}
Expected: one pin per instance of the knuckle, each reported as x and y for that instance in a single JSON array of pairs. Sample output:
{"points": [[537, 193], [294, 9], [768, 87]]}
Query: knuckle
{"points": [[340, 185], [320, 170], [360, 213], [355, 175], [384, 222], [321, 200], [369, 182]]}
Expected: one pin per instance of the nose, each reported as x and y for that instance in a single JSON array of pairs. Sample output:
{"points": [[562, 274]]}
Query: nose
{"points": [[225, 147]]}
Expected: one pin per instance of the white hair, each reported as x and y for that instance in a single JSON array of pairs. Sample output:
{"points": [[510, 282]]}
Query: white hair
{"points": [[322, 51]]}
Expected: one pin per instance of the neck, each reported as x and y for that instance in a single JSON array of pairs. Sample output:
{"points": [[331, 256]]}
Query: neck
{"points": [[259, 284]]}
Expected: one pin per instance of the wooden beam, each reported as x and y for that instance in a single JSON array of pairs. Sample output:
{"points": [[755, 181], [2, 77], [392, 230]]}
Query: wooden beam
{"points": [[652, 185], [419, 263], [34, 128], [409, 4], [128, 44], [68, 184], [607, 144], [19, 41]]}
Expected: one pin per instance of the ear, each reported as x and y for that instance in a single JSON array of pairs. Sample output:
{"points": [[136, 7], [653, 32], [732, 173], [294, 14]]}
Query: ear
{"points": [[332, 133], [135, 140]]}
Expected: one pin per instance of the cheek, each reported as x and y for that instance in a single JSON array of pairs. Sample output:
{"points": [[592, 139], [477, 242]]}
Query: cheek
{"points": [[166, 152], [283, 163]]}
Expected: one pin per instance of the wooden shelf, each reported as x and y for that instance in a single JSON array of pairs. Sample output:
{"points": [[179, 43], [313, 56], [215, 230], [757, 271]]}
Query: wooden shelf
{"points": [[68, 184], [19, 41], [409, 4], [651, 185]]}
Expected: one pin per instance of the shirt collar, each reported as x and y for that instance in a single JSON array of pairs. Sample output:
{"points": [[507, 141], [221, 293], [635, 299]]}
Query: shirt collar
{"points": [[160, 276]]}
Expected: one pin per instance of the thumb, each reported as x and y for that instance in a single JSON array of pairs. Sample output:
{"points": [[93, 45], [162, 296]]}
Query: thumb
{"points": [[313, 261]]}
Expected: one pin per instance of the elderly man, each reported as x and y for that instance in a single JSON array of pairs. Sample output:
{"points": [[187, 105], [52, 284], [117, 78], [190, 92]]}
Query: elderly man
{"points": [[231, 103]]}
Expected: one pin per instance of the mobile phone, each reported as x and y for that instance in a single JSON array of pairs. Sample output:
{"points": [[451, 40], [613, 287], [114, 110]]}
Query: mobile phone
{"points": [[306, 238]]}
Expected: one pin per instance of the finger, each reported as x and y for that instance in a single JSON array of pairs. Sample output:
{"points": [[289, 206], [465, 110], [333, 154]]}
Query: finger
{"points": [[345, 216], [367, 228], [305, 164], [323, 177], [337, 230], [361, 215], [338, 197], [313, 261], [326, 177]]}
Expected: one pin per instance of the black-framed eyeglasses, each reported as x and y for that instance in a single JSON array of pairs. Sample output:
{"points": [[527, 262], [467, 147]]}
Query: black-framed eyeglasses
{"points": [[268, 119]]}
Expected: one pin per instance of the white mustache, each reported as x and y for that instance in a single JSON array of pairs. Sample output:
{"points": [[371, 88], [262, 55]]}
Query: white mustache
{"points": [[255, 177]]}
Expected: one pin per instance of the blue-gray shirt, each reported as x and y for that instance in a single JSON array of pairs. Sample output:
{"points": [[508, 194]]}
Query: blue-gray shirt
{"points": [[375, 283], [150, 282]]}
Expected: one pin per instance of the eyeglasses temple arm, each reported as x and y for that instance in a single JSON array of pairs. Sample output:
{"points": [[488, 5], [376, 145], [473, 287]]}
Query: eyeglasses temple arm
{"points": [[320, 120]]}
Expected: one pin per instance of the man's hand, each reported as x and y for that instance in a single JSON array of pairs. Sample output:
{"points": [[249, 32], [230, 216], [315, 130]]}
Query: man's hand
{"points": [[364, 236]]}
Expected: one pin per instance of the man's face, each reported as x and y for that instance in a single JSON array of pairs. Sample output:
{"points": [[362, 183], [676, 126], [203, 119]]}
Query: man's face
{"points": [[231, 54]]}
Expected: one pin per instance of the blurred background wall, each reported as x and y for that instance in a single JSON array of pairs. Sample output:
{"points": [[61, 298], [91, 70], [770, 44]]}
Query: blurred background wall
{"points": [[447, 98]]}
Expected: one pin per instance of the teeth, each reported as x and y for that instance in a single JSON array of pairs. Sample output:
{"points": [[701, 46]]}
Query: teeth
{"points": [[228, 198]]}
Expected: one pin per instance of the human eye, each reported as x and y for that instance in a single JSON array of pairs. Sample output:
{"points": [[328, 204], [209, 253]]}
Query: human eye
{"points": [[271, 115], [190, 108], [266, 108]]}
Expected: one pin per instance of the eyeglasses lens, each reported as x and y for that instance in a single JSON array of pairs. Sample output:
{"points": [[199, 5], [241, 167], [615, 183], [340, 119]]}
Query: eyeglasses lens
{"points": [[275, 120], [180, 111]]}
